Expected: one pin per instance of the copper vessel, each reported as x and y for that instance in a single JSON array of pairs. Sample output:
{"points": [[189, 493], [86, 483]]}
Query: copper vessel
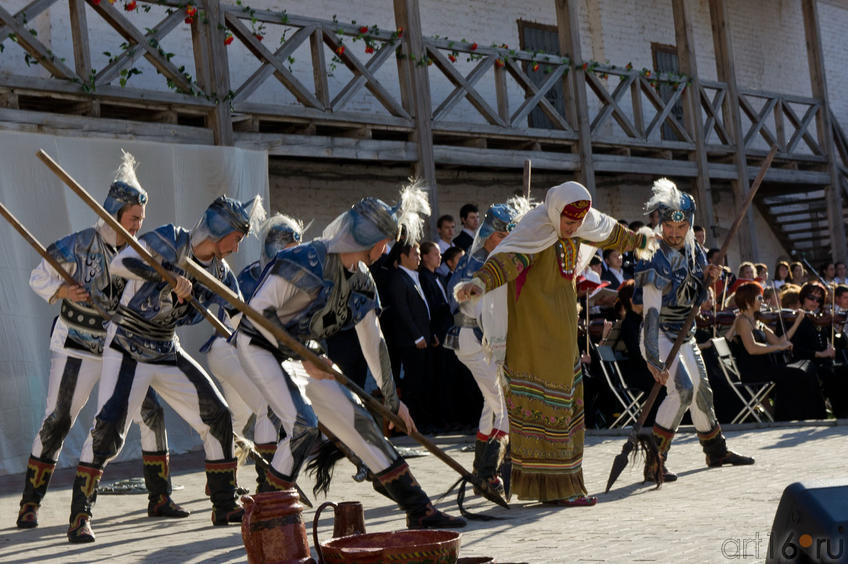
{"points": [[272, 529]]}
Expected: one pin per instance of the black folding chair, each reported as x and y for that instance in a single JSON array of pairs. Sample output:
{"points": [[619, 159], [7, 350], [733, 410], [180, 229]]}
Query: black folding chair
{"points": [[752, 393]]}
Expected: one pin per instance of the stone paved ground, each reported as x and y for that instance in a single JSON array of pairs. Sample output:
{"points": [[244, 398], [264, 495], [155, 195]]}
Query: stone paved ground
{"points": [[709, 515]]}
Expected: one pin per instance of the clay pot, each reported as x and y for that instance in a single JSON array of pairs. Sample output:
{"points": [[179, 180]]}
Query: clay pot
{"points": [[272, 529], [418, 546]]}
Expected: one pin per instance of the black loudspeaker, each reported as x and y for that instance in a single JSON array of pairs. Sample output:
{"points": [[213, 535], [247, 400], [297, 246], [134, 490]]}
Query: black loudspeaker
{"points": [[811, 524]]}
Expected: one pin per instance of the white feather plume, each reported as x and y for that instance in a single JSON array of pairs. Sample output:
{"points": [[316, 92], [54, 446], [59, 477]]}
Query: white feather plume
{"points": [[414, 205], [126, 170], [663, 192]]}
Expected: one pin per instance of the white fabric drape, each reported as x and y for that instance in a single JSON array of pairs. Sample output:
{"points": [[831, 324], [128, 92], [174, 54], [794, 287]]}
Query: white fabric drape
{"points": [[181, 181]]}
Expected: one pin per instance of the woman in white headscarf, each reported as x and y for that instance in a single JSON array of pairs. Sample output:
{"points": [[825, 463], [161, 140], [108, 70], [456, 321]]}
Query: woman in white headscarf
{"points": [[530, 325]]}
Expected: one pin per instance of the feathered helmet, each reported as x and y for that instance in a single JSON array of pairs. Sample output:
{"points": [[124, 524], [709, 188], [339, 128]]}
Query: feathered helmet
{"points": [[277, 233], [371, 220], [500, 217], [672, 204], [125, 190], [225, 215]]}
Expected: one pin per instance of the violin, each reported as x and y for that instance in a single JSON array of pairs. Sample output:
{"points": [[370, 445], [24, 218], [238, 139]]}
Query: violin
{"points": [[596, 327], [706, 319]]}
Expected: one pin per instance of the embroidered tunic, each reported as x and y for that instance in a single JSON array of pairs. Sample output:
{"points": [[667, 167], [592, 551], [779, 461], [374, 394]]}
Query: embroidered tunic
{"points": [[544, 388]]}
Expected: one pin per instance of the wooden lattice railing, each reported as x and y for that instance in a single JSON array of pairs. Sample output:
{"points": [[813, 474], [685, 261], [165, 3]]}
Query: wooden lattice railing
{"points": [[337, 82]]}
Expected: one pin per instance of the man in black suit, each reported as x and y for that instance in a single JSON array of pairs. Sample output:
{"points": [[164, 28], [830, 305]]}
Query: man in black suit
{"points": [[410, 322], [469, 216]]}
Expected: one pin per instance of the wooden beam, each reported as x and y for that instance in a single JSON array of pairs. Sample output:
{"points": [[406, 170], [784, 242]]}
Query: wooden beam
{"points": [[210, 55], [726, 71], [408, 18], [692, 115], [79, 35], [818, 82], [574, 88], [34, 47]]}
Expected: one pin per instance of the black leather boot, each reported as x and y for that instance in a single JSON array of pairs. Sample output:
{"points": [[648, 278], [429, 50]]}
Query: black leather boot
{"points": [[399, 482], [221, 484], [84, 494], [38, 474], [157, 478], [715, 447], [488, 456], [655, 469], [267, 450]]}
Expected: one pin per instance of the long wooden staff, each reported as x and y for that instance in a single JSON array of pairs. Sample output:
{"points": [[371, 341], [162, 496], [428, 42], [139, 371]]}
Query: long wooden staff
{"points": [[620, 461], [528, 171], [282, 336], [168, 277]]}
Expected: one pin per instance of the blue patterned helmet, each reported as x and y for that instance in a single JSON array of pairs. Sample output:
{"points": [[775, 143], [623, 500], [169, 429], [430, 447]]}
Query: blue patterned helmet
{"points": [[278, 232], [500, 218], [225, 215], [125, 190], [371, 220], [671, 203]]}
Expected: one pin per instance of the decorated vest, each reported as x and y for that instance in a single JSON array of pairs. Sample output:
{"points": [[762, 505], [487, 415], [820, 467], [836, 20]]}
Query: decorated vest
{"points": [[340, 299], [146, 324], [91, 254], [679, 275]]}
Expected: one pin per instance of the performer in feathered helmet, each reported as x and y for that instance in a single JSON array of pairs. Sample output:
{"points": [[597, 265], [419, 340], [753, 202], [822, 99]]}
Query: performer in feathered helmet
{"points": [[76, 348], [530, 324], [466, 339], [143, 350], [278, 232], [316, 290], [669, 284]]}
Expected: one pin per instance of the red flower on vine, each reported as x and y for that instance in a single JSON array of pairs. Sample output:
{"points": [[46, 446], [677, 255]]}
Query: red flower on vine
{"points": [[535, 67], [585, 66], [474, 46], [259, 36], [95, 2], [191, 11], [189, 20], [647, 73], [452, 58], [228, 39], [130, 6], [400, 32], [369, 49], [340, 50], [499, 63], [363, 29]]}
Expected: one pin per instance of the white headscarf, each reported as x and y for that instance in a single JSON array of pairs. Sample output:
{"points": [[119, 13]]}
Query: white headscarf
{"points": [[538, 230]]}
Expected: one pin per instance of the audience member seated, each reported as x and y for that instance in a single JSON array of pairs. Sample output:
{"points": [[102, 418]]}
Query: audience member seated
{"points": [[782, 275], [755, 348], [810, 342], [613, 272]]}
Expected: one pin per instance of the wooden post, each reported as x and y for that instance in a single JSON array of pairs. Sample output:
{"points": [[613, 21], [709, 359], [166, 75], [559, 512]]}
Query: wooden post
{"points": [[726, 71], [692, 115], [574, 88], [82, 52], [415, 88], [212, 67], [833, 192]]}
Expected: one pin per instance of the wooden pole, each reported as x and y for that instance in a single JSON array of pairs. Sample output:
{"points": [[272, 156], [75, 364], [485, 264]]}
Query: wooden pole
{"points": [[77, 188], [726, 70], [528, 171], [818, 83]]}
